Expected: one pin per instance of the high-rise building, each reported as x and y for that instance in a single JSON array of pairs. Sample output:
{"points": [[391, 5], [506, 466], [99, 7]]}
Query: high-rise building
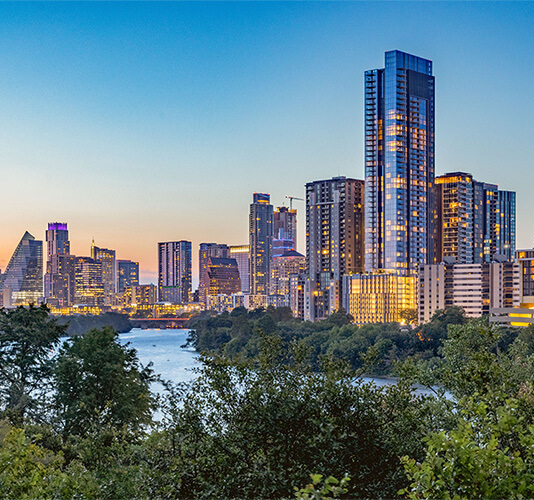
{"points": [[334, 241], [59, 278], [282, 267], [109, 271], [241, 254], [207, 250], [285, 225], [399, 163], [223, 275], [89, 285], [506, 233], [174, 271], [22, 281], [57, 239], [59, 282], [127, 274], [475, 221], [261, 240]]}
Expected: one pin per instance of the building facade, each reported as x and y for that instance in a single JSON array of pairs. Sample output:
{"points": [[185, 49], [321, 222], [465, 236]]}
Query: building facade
{"points": [[379, 297], [476, 288], [174, 271], [127, 274], [261, 240], [59, 289], [205, 252], [241, 254], [285, 225], [399, 164], [475, 221], [334, 241], [223, 275], [22, 281], [109, 271]]}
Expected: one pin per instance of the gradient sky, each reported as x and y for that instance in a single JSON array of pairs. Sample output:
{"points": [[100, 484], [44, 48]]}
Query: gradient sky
{"points": [[144, 122]]}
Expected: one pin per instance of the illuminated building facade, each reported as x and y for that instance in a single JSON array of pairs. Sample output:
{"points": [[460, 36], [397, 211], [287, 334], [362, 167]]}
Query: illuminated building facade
{"points": [[285, 227], [141, 295], [282, 267], [57, 239], [89, 286], [22, 281], [109, 271], [241, 254], [261, 240], [297, 286], [475, 221], [174, 271], [59, 289], [399, 163], [205, 252], [379, 297], [334, 241], [127, 274], [223, 276]]}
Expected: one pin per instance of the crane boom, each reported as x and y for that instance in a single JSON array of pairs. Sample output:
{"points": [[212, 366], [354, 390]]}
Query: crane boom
{"points": [[291, 198]]}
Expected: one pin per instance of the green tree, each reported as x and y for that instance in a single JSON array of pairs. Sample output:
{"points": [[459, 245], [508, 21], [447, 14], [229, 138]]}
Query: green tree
{"points": [[100, 383], [28, 336], [257, 428]]}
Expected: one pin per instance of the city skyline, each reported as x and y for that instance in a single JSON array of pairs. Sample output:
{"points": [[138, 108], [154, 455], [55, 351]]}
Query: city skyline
{"points": [[287, 76]]}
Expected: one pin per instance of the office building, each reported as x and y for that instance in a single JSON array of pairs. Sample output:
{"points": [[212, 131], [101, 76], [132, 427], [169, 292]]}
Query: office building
{"points": [[241, 254], [140, 295], [59, 289], [334, 241], [297, 299], [282, 267], [285, 225], [174, 271], [475, 221], [89, 284], [59, 280], [507, 224], [520, 314], [109, 271], [281, 246], [127, 274], [399, 164], [22, 281], [261, 240], [207, 250], [379, 297], [223, 276], [57, 239], [475, 287]]}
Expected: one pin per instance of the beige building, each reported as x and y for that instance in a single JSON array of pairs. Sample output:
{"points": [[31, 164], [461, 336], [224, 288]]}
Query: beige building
{"points": [[378, 297], [476, 288]]}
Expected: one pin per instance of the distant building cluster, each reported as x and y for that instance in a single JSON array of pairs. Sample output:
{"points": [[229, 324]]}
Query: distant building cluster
{"points": [[399, 240]]}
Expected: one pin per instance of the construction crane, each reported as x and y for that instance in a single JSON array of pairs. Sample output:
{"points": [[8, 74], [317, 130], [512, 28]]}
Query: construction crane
{"points": [[291, 198]]}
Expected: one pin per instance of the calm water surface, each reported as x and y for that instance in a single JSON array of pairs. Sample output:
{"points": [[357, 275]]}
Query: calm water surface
{"points": [[172, 362]]}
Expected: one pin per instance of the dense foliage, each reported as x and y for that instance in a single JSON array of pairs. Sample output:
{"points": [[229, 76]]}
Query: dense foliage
{"points": [[277, 411], [238, 334], [80, 324]]}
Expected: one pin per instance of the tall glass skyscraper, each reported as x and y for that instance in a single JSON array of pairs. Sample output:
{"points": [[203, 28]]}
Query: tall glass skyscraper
{"points": [[22, 281], [174, 271], [261, 241], [399, 163]]}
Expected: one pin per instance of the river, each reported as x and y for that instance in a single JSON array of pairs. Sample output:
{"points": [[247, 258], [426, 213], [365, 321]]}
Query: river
{"points": [[172, 362]]}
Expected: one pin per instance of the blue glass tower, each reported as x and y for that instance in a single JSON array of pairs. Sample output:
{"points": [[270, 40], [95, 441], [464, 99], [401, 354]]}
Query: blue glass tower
{"points": [[399, 164]]}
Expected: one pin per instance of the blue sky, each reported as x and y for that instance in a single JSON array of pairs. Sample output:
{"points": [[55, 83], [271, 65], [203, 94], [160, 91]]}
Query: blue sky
{"points": [[145, 122]]}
